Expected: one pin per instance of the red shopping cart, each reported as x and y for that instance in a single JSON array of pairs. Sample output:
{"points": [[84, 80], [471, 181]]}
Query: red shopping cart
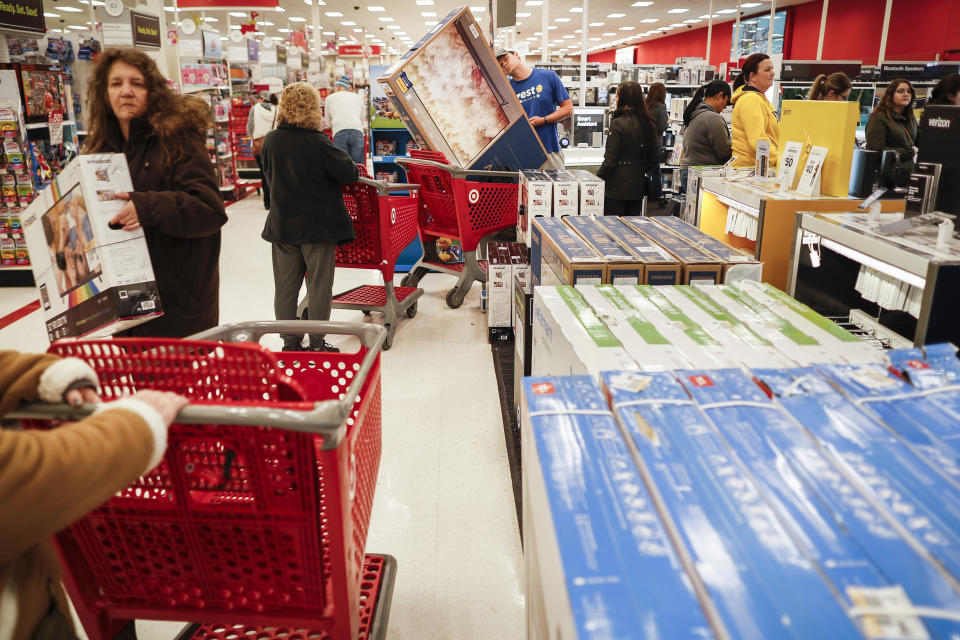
{"points": [[255, 521], [458, 204]]}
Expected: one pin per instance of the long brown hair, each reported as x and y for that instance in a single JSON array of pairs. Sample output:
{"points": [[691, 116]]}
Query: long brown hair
{"points": [[656, 94], [750, 65], [170, 116], [630, 102], [885, 105], [837, 82]]}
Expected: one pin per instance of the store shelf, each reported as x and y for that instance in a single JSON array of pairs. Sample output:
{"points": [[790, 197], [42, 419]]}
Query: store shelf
{"points": [[227, 187], [202, 89], [385, 159], [224, 155], [222, 120], [17, 267], [44, 125]]}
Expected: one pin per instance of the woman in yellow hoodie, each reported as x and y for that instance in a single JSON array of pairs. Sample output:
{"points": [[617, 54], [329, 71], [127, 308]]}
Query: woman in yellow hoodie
{"points": [[753, 116]]}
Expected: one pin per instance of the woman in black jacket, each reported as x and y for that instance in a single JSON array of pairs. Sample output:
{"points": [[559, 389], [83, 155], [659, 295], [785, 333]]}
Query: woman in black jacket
{"points": [[307, 219], [632, 149]]}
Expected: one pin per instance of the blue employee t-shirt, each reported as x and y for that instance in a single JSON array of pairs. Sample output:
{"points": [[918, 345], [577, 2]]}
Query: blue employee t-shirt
{"points": [[540, 94]]}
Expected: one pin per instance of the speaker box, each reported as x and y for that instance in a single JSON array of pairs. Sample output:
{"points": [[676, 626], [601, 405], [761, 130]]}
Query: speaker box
{"points": [[888, 162], [863, 172]]}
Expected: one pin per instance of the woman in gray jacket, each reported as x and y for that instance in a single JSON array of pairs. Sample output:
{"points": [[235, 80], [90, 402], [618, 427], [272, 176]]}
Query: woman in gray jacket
{"points": [[706, 140]]}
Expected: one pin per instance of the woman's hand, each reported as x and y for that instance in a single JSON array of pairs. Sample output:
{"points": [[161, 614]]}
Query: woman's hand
{"points": [[76, 397], [127, 217]]}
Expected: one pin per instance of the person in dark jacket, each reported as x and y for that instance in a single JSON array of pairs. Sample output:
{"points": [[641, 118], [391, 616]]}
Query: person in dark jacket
{"points": [[632, 149], [706, 139], [893, 126], [307, 218], [657, 106], [947, 91], [175, 195]]}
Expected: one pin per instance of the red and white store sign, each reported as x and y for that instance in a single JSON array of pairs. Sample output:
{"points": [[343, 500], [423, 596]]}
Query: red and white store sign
{"points": [[357, 50], [228, 4]]}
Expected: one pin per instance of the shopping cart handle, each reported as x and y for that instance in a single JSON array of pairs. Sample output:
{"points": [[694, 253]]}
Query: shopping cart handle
{"points": [[386, 188], [327, 418], [458, 172]]}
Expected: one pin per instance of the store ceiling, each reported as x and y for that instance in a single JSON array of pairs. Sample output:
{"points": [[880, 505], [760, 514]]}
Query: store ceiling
{"points": [[401, 23]]}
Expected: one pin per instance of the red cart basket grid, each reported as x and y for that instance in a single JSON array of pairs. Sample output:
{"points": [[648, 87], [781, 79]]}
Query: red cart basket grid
{"points": [[459, 204], [384, 219], [254, 523]]}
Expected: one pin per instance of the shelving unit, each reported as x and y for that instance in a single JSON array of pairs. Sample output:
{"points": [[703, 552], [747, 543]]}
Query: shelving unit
{"points": [[848, 243]]}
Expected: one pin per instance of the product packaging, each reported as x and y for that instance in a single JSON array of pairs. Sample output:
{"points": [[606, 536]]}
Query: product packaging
{"points": [[737, 265], [92, 280], [452, 96], [591, 192], [566, 193], [560, 256], [599, 563], [828, 124], [698, 265], [535, 200], [507, 261], [523, 336], [622, 266], [660, 267]]}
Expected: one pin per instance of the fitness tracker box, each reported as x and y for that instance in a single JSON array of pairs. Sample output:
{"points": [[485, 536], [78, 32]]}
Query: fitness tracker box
{"points": [[92, 280], [453, 97]]}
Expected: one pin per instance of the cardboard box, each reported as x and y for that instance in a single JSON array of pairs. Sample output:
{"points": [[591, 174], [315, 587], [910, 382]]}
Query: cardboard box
{"points": [[522, 337], [660, 267], [697, 264], [560, 256], [535, 194], [599, 563], [716, 514], [499, 292], [453, 97], [566, 193], [591, 192], [623, 267], [569, 338], [92, 280], [737, 265]]}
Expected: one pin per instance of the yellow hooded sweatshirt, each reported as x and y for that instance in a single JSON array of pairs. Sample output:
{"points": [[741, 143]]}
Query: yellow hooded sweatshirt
{"points": [[753, 119]]}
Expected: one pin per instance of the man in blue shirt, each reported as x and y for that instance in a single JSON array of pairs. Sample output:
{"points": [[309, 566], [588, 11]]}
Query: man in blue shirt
{"points": [[543, 98]]}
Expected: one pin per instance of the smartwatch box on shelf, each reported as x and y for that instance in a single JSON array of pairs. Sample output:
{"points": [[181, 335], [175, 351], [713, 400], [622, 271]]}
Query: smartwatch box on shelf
{"points": [[508, 261], [535, 199], [92, 280], [453, 97]]}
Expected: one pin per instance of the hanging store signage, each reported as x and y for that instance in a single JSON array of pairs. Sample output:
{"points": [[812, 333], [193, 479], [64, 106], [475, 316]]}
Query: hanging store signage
{"points": [[357, 50], [212, 45], [625, 55], [146, 29], [228, 4], [23, 15], [237, 54], [916, 70], [304, 60], [268, 56], [253, 50], [808, 70], [117, 34], [281, 55]]}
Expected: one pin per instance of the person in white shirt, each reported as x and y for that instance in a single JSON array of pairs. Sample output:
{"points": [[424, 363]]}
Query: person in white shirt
{"points": [[344, 109], [260, 122]]}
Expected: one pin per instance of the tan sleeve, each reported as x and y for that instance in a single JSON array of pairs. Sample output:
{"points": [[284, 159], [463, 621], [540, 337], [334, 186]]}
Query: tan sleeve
{"points": [[52, 478], [20, 377]]}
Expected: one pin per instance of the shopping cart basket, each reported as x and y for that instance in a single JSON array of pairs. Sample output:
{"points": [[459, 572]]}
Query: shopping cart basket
{"points": [[456, 203], [257, 516]]}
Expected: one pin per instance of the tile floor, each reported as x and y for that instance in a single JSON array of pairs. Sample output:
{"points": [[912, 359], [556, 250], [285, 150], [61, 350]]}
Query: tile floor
{"points": [[444, 506]]}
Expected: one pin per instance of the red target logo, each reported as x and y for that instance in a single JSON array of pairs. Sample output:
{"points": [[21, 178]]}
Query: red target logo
{"points": [[473, 196]]}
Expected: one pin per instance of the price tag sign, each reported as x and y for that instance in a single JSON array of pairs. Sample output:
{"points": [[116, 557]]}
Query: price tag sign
{"points": [[812, 173], [55, 122], [788, 165]]}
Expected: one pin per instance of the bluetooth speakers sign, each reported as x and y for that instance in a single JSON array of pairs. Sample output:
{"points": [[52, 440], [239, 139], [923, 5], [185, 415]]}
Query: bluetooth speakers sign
{"points": [[146, 30], [22, 15]]}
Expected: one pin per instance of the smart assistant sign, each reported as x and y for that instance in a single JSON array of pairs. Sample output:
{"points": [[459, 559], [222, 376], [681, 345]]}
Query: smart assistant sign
{"points": [[146, 29], [22, 15]]}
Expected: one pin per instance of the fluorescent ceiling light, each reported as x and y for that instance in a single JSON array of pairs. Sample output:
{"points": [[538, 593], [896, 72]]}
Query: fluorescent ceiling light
{"points": [[396, 26], [332, 14], [238, 14], [552, 27], [579, 31], [211, 20], [425, 2], [727, 11], [567, 37], [650, 20], [329, 33], [533, 3], [641, 4], [692, 21], [429, 14], [616, 15], [50, 15], [297, 19], [478, 9], [576, 10], [234, 26], [678, 10], [279, 8], [69, 9], [284, 30], [523, 15], [358, 30], [627, 28], [748, 5], [265, 24], [386, 19], [704, 17], [562, 20], [372, 8], [348, 23], [597, 24], [608, 34], [594, 39]]}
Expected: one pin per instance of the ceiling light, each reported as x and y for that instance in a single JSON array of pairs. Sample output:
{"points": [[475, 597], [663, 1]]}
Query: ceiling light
{"points": [[208, 19], [47, 14], [630, 28], [533, 3], [597, 24], [576, 10], [579, 31], [616, 15], [748, 5], [70, 10], [562, 20], [375, 9], [727, 11], [425, 2], [329, 33], [692, 21], [358, 30], [284, 30], [478, 9], [279, 8], [552, 27], [348, 23], [641, 4], [238, 14], [386, 19], [396, 26], [523, 15], [332, 14], [429, 14], [567, 37], [650, 20], [594, 39], [234, 26], [608, 34], [297, 19], [678, 10]]}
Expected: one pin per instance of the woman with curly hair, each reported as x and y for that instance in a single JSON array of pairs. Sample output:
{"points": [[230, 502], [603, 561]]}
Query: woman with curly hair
{"points": [[893, 126], [175, 198], [307, 219]]}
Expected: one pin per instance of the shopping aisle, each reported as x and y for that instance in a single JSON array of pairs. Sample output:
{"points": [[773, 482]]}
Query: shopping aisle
{"points": [[444, 504]]}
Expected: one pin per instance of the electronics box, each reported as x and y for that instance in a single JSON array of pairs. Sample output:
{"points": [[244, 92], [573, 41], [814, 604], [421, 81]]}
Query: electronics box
{"points": [[522, 337], [453, 97], [737, 265], [591, 192], [659, 266], [622, 266], [824, 123], [92, 280], [559, 256], [535, 199], [697, 265], [41, 89], [566, 193], [569, 338], [499, 292]]}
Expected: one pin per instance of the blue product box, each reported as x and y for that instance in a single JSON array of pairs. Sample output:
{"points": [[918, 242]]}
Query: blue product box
{"points": [[891, 476], [762, 584], [856, 547], [604, 566]]}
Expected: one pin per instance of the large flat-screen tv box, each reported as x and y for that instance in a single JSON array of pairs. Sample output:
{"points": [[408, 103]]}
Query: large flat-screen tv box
{"points": [[92, 280], [453, 97]]}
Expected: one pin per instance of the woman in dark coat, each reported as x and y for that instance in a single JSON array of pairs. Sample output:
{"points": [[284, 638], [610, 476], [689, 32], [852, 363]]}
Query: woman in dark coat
{"points": [[175, 195], [307, 218], [893, 126], [632, 149]]}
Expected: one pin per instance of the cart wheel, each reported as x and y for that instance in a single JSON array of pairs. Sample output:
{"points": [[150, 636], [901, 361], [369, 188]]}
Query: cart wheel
{"points": [[367, 312], [389, 341], [412, 310], [409, 280], [454, 300]]}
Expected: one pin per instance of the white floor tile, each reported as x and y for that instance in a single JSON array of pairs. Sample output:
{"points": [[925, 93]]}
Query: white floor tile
{"points": [[444, 504]]}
